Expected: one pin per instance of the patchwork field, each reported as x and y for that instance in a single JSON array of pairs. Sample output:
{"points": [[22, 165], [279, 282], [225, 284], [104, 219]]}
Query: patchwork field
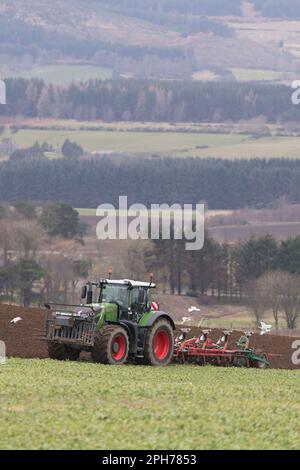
{"points": [[167, 143], [249, 75], [89, 406], [164, 143], [64, 74]]}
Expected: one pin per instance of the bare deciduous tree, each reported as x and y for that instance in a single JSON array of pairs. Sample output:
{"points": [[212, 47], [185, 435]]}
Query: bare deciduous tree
{"points": [[278, 291], [270, 286], [256, 299], [290, 298]]}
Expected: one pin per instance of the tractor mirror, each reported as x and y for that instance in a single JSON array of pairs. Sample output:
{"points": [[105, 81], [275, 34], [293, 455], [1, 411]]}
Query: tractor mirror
{"points": [[89, 299], [83, 292], [141, 297]]}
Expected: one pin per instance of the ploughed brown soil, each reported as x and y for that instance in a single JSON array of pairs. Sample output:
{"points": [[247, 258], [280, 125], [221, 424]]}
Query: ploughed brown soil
{"points": [[23, 339]]}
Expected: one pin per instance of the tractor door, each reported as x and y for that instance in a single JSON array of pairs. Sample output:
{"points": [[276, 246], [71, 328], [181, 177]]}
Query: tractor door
{"points": [[139, 301]]}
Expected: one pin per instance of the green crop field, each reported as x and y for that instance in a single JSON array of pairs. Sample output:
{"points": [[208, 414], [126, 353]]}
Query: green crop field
{"points": [[247, 75], [177, 144], [52, 405], [64, 74], [165, 143]]}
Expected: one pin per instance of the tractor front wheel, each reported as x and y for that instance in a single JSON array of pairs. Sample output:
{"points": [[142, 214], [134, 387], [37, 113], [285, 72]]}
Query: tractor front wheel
{"points": [[159, 345], [111, 345], [60, 352]]}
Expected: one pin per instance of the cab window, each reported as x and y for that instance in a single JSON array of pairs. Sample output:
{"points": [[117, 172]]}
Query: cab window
{"points": [[135, 297]]}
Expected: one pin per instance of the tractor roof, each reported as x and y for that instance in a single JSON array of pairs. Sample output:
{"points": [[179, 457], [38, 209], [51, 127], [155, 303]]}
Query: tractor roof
{"points": [[128, 282]]}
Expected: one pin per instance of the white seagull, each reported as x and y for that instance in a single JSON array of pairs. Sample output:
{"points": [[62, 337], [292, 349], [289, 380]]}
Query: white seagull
{"points": [[16, 320], [194, 309], [185, 319], [264, 328]]}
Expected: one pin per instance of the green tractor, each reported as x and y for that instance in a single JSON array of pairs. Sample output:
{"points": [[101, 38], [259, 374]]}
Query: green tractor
{"points": [[116, 321]]}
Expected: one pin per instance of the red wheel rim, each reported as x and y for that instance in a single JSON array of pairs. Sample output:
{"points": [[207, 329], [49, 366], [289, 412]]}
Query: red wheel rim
{"points": [[161, 345], [118, 347]]}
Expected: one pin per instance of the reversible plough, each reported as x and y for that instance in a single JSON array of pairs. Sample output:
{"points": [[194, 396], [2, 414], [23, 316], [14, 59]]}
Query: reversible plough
{"points": [[202, 350]]}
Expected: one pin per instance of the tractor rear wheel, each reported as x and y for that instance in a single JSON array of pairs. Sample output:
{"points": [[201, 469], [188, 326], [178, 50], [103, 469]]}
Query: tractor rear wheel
{"points": [[60, 352], [111, 345], [159, 346]]}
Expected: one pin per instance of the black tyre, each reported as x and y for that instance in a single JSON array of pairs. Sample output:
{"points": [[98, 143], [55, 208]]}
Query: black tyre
{"points": [[111, 345], [72, 354], [159, 345], [259, 364], [60, 352]]}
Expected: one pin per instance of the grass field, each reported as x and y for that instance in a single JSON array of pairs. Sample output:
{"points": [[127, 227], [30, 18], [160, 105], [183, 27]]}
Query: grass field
{"points": [[248, 75], [51, 405], [165, 143], [64, 74], [164, 139]]}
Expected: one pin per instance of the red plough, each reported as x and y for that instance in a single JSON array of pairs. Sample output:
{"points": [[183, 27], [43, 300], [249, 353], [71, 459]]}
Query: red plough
{"points": [[202, 350]]}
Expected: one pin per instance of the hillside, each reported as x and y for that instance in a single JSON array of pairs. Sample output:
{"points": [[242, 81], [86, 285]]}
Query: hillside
{"points": [[156, 38]]}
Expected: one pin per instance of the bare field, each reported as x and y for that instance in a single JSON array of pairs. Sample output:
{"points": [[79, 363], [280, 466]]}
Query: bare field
{"points": [[234, 233], [224, 232]]}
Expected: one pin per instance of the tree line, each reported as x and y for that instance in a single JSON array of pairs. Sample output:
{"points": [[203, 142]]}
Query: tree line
{"points": [[221, 184], [18, 38], [260, 272], [267, 8], [37, 151], [191, 7], [277, 8], [43, 258], [149, 100], [39, 252], [188, 20]]}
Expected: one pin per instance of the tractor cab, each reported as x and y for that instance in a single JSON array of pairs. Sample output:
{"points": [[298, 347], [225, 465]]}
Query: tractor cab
{"points": [[131, 298]]}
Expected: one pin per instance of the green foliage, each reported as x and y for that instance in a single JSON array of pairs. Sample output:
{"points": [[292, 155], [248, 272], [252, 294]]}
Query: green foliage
{"points": [[278, 8], [19, 38], [2, 212], [71, 149], [191, 7], [222, 184], [8, 278], [255, 257], [70, 405], [21, 276], [34, 152], [288, 258], [27, 271], [59, 219], [188, 18], [28, 211], [141, 100]]}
